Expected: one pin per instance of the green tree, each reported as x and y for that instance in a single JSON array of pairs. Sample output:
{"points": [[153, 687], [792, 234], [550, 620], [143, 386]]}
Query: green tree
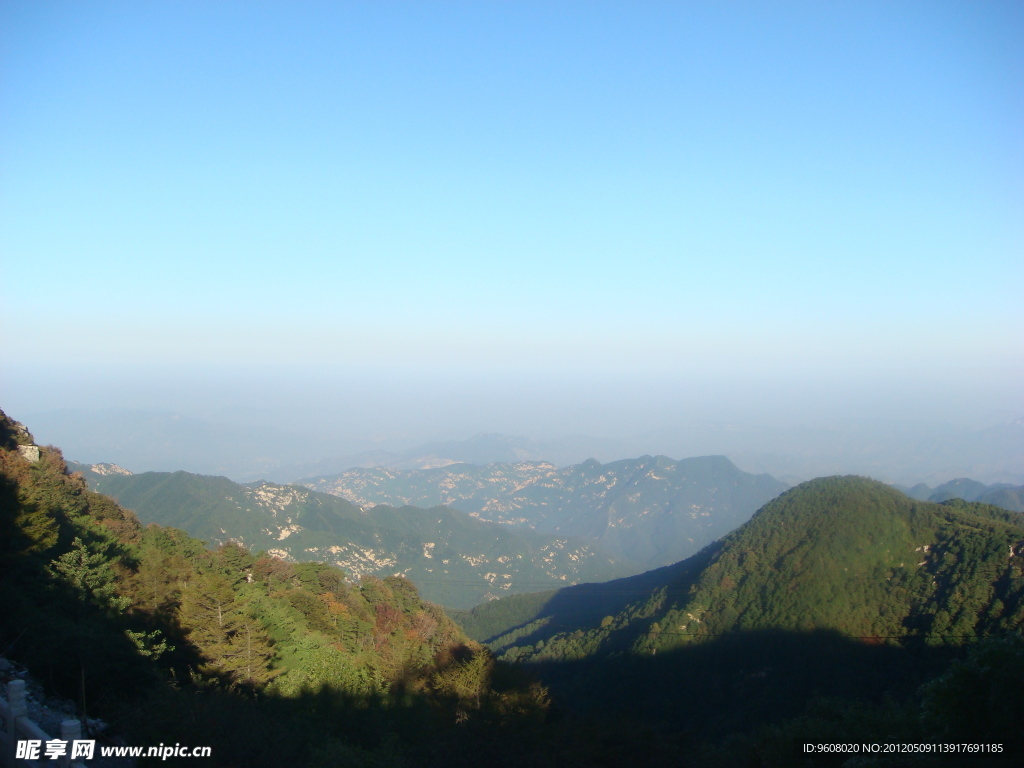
{"points": [[465, 680], [234, 644], [90, 575]]}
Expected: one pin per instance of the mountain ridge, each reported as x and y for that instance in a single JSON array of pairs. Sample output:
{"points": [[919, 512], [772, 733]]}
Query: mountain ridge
{"points": [[652, 510], [1003, 495], [826, 615], [458, 560], [830, 552]]}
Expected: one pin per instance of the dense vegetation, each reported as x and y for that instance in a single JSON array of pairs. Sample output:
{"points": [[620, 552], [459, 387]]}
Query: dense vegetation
{"points": [[268, 662], [841, 589], [843, 554]]}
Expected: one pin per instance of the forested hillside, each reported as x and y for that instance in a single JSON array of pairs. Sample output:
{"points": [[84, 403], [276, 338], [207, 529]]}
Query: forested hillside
{"points": [[841, 587], [268, 662], [843, 554], [456, 559]]}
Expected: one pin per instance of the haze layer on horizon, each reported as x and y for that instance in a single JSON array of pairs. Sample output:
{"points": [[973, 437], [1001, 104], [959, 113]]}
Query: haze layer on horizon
{"points": [[375, 224]]}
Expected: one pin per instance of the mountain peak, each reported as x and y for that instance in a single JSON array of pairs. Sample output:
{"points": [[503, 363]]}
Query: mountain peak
{"points": [[843, 554]]}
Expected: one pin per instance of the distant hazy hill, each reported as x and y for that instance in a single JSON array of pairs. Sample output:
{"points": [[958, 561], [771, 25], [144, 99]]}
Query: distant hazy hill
{"points": [[652, 510], [262, 447], [151, 439], [484, 448], [999, 494], [456, 559], [843, 553]]}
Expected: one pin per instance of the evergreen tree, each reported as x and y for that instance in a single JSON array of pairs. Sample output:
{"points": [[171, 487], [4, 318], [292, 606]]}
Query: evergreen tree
{"points": [[90, 575], [234, 644]]}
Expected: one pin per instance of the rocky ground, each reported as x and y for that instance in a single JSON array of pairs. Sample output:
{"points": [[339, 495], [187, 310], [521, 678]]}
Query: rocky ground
{"points": [[48, 712]]}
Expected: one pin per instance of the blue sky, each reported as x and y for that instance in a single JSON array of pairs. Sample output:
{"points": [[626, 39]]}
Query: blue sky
{"points": [[745, 201]]}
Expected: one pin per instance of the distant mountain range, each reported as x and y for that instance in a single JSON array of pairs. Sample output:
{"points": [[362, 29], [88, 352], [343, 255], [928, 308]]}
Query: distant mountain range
{"points": [[889, 449], [1000, 494], [652, 510], [262, 444], [465, 533], [480, 449], [456, 560], [150, 440]]}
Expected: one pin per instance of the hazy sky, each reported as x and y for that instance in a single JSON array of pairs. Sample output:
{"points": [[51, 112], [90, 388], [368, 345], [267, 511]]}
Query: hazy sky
{"points": [[534, 217]]}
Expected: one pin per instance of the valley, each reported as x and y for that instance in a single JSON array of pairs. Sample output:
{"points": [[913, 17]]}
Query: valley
{"points": [[839, 587], [651, 511], [464, 533], [456, 560]]}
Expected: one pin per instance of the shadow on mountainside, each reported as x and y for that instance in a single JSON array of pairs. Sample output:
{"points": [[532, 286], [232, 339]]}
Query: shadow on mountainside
{"points": [[746, 699], [759, 696], [529, 618]]}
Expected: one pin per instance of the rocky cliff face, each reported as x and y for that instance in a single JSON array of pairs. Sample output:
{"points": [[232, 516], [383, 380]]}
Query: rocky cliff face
{"points": [[108, 469], [14, 434]]}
